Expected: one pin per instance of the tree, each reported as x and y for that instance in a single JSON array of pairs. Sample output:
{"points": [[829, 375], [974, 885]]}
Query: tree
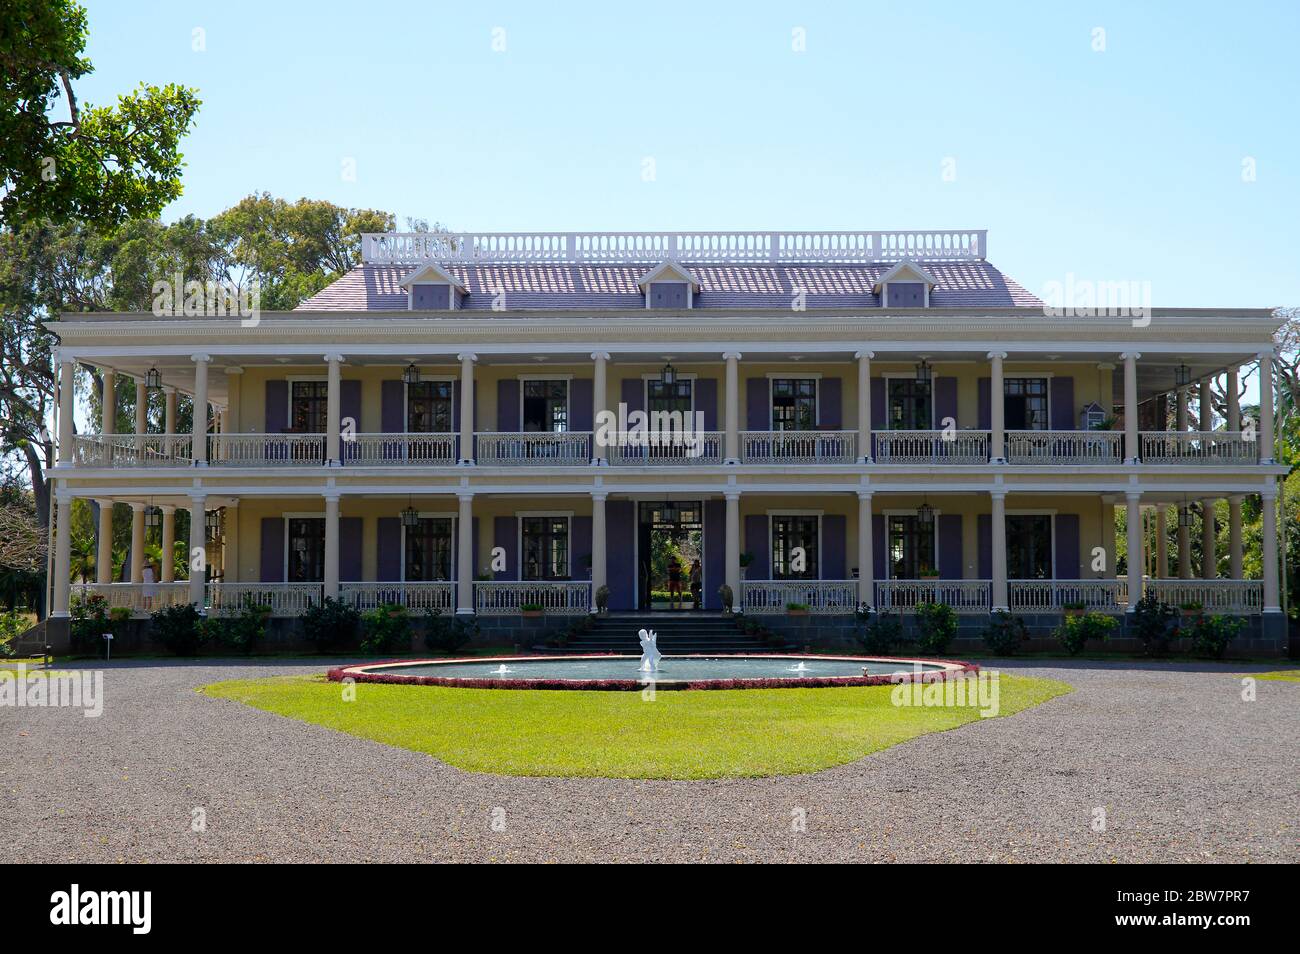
{"points": [[100, 165]]}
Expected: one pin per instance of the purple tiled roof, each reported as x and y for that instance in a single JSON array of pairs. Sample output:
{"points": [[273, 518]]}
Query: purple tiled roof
{"points": [[567, 287]]}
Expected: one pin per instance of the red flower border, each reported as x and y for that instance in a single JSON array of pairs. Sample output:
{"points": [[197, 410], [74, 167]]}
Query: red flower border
{"points": [[363, 672]]}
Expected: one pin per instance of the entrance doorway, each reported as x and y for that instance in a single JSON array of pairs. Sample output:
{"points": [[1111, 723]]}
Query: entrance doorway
{"points": [[670, 556]]}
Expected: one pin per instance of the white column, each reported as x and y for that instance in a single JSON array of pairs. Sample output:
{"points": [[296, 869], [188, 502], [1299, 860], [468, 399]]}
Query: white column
{"points": [[169, 410], [1181, 413], [1268, 504], [1133, 517], [168, 560], [1266, 450], [1234, 401], [733, 546], [104, 552], [230, 556], [62, 550], [864, 408], [597, 545], [599, 402], [1184, 546], [332, 546], [200, 429], [732, 443], [997, 409], [137, 543], [467, 360], [465, 555], [1162, 542], [198, 547], [67, 371], [333, 408], [866, 555], [1234, 537], [108, 406], [999, 527], [1207, 406], [1131, 445], [1209, 558]]}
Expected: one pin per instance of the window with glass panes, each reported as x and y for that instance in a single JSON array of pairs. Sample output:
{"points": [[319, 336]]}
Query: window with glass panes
{"points": [[428, 407], [1029, 546], [909, 404], [1025, 404], [306, 550], [308, 406], [911, 547], [546, 406], [545, 548], [790, 532], [428, 550], [794, 404]]}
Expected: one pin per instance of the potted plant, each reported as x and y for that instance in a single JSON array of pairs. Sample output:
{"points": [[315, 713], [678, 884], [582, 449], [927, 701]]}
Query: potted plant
{"points": [[602, 598], [531, 610], [727, 597], [745, 560], [929, 573], [1191, 609], [796, 609], [1074, 609]]}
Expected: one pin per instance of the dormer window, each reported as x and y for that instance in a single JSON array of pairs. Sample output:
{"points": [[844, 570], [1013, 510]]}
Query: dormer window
{"points": [[430, 288], [906, 285], [669, 285]]}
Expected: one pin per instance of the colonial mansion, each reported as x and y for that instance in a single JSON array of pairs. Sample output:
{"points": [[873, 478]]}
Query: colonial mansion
{"points": [[824, 421]]}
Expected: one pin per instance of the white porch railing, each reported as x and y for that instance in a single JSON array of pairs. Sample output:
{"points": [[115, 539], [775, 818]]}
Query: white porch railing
{"points": [[935, 245], [266, 450], [285, 599], [416, 596], [1198, 447], [931, 447], [1064, 447], [381, 450], [132, 450], [799, 447], [540, 449], [964, 596], [823, 597], [140, 598], [508, 598], [1238, 597], [669, 448], [1052, 596]]}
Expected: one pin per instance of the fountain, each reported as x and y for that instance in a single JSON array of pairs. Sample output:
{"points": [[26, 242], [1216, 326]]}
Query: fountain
{"points": [[650, 654], [501, 670], [802, 667]]}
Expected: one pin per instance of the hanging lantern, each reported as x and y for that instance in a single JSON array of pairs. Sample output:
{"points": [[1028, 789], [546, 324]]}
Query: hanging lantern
{"points": [[925, 514], [214, 523], [1185, 516], [668, 513], [1182, 376], [411, 375], [152, 517], [668, 376], [410, 518], [153, 379], [924, 372]]}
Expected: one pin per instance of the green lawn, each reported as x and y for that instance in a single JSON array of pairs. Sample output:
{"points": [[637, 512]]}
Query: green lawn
{"points": [[681, 734], [1282, 675]]}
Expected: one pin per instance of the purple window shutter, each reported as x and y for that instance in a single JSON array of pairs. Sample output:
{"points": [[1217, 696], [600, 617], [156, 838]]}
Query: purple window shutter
{"points": [[758, 401], [945, 400], [620, 527], [706, 401], [503, 536], [430, 297], [830, 410], [667, 294], [581, 548], [878, 546], [272, 550], [277, 406], [715, 552], [906, 295], [581, 404], [950, 556], [1062, 390], [633, 392], [1067, 546], [392, 407], [350, 406], [834, 565], [984, 530], [878, 410], [758, 544], [984, 389], [350, 531], [388, 558], [508, 405]]}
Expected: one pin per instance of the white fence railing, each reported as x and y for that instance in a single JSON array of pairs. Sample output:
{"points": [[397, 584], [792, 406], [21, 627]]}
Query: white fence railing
{"points": [[1064, 447], [382, 450], [266, 450], [1215, 596], [1198, 447], [509, 598], [140, 598], [935, 245], [799, 447], [132, 450], [416, 596], [668, 448], [541, 449], [823, 597], [932, 447], [964, 596], [1052, 596], [285, 599]]}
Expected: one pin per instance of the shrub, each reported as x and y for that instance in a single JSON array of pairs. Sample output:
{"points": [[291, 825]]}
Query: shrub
{"points": [[1212, 634], [1075, 631], [1155, 623], [385, 629], [177, 628], [796, 607], [331, 625], [531, 608], [937, 625], [89, 623], [882, 635], [602, 598], [1005, 634], [728, 598], [12, 625], [448, 634]]}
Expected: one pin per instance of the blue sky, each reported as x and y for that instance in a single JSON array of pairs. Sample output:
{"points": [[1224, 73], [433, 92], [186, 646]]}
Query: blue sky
{"points": [[1124, 164]]}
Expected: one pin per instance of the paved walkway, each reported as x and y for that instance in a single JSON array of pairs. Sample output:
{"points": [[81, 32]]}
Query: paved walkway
{"points": [[1185, 770]]}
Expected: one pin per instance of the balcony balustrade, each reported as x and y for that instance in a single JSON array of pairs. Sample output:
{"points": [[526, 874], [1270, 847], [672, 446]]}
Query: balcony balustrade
{"points": [[1228, 597], [540, 449], [799, 447], [417, 596], [1052, 596], [670, 449], [932, 447], [964, 596], [132, 450], [821, 597], [508, 598], [284, 599], [1199, 447], [1064, 447], [140, 598]]}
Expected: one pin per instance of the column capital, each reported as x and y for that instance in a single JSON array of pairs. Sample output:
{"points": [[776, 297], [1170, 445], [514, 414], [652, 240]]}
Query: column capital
{"points": [[167, 508], [1267, 355], [1270, 494], [731, 495], [467, 356], [998, 494], [996, 355], [465, 498], [731, 356], [864, 354], [1134, 498], [334, 356], [599, 496], [169, 389], [63, 495], [1130, 355], [332, 496], [600, 356], [104, 501], [138, 507], [200, 358], [865, 495], [197, 498]]}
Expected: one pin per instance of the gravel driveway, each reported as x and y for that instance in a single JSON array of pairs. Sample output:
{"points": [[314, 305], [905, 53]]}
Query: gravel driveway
{"points": [[1185, 770]]}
